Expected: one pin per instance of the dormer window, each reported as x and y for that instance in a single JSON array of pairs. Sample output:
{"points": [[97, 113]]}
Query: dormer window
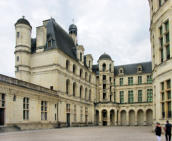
{"points": [[121, 71], [89, 64], [139, 69], [80, 56]]}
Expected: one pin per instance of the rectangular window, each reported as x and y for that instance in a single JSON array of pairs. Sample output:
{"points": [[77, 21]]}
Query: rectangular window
{"points": [[25, 108], [2, 100], [149, 95], [121, 96], [169, 95], [168, 84], [162, 86], [17, 69], [121, 81], [139, 95], [163, 110], [43, 110], [67, 108], [168, 52], [18, 34], [162, 55], [167, 26], [167, 37], [149, 79], [160, 31], [104, 96], [139, 80], [130, 97], [104, 86], [160, 3], [17, 58], [130, 80], [166, 99], [161, 42], [104, 77], [162, 96]]}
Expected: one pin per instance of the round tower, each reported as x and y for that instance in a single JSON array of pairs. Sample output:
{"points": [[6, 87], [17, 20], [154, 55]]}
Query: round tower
{"points": [[161, 46], [73, 32], [106, 78], [23, 49]]}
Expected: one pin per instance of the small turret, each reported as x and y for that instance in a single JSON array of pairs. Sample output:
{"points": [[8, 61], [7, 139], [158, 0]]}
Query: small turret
{"points": [[23, 49], [106, 77], [73, 32]]}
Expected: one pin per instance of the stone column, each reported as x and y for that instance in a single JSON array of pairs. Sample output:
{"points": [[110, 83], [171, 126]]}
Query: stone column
{"points": [[136, 118], [108, 118], [119, 118], [127, 117], [116, 118], [100, 118], [144, 115]]}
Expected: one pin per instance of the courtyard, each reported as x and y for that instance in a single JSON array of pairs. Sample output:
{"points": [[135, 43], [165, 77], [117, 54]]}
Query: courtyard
{"points": [[83, 134]]}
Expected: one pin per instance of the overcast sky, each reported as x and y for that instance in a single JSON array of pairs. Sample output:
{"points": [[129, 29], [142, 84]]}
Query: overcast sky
{"points": [[118, 27]]}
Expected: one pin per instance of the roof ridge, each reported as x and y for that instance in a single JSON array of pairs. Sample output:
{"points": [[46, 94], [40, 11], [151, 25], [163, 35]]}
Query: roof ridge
{"points": [[134, 64]]}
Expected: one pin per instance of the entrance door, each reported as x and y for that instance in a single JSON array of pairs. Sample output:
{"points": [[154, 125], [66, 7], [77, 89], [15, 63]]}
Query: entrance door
{"points": [[104, 123], [68, 119], [2, 116]]}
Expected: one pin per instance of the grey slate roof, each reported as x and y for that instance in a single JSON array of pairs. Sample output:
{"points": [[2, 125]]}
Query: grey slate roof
{"points": [[132, 68], [105, 56], [129, 69], [23, 21], [60, 39]]}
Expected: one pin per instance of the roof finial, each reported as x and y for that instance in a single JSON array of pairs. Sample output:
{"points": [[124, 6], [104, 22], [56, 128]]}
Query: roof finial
{"points": [[23, 17], [73, 20]]}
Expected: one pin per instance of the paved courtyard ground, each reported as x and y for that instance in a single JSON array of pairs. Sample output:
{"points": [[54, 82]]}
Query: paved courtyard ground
{"points": [[83, 134]]}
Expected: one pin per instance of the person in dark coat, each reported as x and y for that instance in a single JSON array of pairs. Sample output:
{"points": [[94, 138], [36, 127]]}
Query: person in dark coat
{"points": [[158, 131], [168, 131]]}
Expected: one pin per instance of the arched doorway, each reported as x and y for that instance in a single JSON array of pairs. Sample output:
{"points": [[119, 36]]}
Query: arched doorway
{"points": [[131, 118], [104, 117], [149, 117], [97, 117], [112, 117], [123, 118], [140, 117]]}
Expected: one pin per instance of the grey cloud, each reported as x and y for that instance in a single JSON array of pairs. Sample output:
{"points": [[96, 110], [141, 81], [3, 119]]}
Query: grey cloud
{"points": [[117, 27]]}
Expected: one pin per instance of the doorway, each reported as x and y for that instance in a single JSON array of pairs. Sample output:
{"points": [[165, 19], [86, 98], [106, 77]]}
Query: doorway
{"points": [[2, 111], [68, 119]]}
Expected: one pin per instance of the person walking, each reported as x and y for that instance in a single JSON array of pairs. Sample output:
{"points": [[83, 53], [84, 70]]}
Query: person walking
{"points": [[168, 131], [158, 131]]}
